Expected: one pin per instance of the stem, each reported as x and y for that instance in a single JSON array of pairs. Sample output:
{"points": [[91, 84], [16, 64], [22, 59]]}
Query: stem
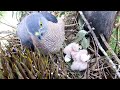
{"points": [[7, 25]]}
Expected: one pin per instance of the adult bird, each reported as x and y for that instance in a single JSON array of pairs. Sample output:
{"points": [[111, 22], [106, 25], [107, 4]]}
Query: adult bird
{"points": [[42, 30], [103, 22]]}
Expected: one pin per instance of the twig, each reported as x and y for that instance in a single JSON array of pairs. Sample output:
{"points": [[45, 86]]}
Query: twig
{"points": [[117, 39], [7, 25], [117, 24], [103, 67], [5, 32], [103, 71], [95, 76], [6, 36], [31, 76], [72, 30], [21, 69], [58, 66], [71, 25], [95, 48], [110, 49], [100, 71], [108, 72], [97, 42]]}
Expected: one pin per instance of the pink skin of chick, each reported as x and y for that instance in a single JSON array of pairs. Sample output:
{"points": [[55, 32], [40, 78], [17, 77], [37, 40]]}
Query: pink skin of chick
{"points": [[68, 49], [78, 65], [80, 57], [71, 47], [80, 60]]}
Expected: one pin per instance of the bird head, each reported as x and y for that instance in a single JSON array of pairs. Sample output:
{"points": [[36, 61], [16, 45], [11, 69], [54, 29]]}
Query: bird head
{"points": [[36, 25]]}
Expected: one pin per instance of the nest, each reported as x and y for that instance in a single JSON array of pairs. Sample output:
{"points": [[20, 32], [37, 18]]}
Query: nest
{"points": [[19, 63]]}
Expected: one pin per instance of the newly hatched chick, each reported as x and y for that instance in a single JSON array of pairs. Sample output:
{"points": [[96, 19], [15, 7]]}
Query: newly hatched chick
{"points": [[73, 47], [80, 57], [78, 65]]}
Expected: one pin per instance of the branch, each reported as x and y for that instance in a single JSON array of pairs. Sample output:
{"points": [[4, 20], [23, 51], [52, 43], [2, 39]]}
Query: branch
{"points": [[7, 25], [110, 49], [116, 41], [97, 42], [117, 24], [71, 25]]}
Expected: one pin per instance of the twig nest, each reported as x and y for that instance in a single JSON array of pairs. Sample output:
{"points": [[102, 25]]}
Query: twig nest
{"points": [[80, 57]]}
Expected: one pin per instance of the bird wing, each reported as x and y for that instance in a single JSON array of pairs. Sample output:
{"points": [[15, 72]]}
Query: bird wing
{"points": [[49, 17]]}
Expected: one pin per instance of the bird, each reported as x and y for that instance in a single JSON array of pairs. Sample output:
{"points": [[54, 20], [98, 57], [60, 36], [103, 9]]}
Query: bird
{"points": [[103, 23], [42, 30]]}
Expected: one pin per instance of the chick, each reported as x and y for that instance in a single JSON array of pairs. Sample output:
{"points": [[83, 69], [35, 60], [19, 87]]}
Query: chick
{"points": [[80, 57]]}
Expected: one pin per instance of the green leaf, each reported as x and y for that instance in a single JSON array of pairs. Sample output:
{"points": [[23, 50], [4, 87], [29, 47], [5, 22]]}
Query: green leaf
{"points": [[61, 13], [80, 35], [85, 43], [2, 13], [81, 23], [1, 75], [118, 18]]}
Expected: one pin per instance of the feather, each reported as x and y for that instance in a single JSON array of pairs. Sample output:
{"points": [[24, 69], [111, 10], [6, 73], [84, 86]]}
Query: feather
{"points": [[53, 39]]}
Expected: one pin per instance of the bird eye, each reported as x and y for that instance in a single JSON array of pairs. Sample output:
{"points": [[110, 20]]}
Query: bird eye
{"points": [[41, 24]]}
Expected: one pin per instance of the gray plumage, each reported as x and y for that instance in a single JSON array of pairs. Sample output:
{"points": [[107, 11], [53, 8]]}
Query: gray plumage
{"points": [[50, 36]]}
